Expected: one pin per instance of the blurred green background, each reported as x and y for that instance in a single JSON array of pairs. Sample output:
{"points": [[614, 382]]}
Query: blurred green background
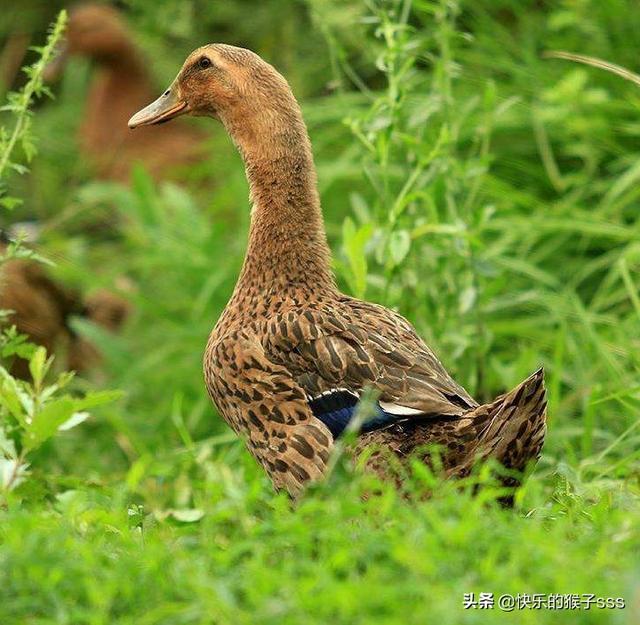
{"points": [[487, 193]]}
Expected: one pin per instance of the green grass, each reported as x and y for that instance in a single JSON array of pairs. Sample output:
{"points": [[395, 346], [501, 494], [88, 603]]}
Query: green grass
{"points": [[487, 193], [334, 558]]}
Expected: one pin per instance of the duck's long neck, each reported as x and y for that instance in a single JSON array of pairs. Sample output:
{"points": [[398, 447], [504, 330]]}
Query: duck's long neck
{"points": [[288, 252]]}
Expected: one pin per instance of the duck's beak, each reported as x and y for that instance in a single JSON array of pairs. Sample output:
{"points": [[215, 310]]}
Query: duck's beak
{"points": [[166, 107]]}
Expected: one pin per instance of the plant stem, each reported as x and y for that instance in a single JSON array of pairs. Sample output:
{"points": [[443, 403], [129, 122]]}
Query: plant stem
{"points": [[30, 91]]}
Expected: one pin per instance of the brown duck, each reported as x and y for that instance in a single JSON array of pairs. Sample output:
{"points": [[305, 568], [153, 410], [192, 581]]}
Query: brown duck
{"points": [[121, 83], [41, 308], [290, 356]]}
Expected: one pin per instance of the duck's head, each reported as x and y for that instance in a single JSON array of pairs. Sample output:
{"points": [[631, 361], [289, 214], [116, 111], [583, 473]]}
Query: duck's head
{"points": [[96, 31], [223, 82]]}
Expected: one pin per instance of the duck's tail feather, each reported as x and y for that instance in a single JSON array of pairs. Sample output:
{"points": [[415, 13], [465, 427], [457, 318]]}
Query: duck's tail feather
{"points": [[516, 424]]}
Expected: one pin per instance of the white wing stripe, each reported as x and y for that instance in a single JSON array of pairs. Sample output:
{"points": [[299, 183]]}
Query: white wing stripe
{"points": [[402, 411]]}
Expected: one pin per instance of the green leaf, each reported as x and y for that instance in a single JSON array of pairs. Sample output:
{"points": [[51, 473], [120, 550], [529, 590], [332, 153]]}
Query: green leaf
{"points": [[467, 299], [14, 398], [354, 241], [91, 400], [38, 366], [7, 446], [76, 419], [399, 246], [360, 207], [14, 344], [46, 422], [10, 202], [63, 413]]}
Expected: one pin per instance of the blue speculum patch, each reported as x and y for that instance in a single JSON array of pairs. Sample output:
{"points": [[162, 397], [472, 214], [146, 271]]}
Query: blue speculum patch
{"points": [[336, 409]]}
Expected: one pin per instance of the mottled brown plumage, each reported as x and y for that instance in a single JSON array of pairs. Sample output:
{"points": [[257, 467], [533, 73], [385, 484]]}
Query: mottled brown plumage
{"points": [[121, 83], [289, 341], [510, 429]]}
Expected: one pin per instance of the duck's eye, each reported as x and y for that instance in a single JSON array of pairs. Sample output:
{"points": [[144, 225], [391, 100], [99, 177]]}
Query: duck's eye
{"points": [[204, 62]]}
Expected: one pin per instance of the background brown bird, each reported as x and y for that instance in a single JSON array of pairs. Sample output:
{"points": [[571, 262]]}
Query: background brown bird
{"points": [[122, 83], [41, 308]]}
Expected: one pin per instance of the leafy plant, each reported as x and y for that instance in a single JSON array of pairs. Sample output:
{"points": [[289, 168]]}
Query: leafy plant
{"points": [[32, 412], [426, 155], [19, 105]]}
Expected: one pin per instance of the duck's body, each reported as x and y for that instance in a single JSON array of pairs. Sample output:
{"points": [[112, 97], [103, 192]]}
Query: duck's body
{"points": [[288, 377], [290, 355]]}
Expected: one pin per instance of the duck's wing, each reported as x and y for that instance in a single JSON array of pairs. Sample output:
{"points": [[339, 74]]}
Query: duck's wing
{"points": [[335, 352]]}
